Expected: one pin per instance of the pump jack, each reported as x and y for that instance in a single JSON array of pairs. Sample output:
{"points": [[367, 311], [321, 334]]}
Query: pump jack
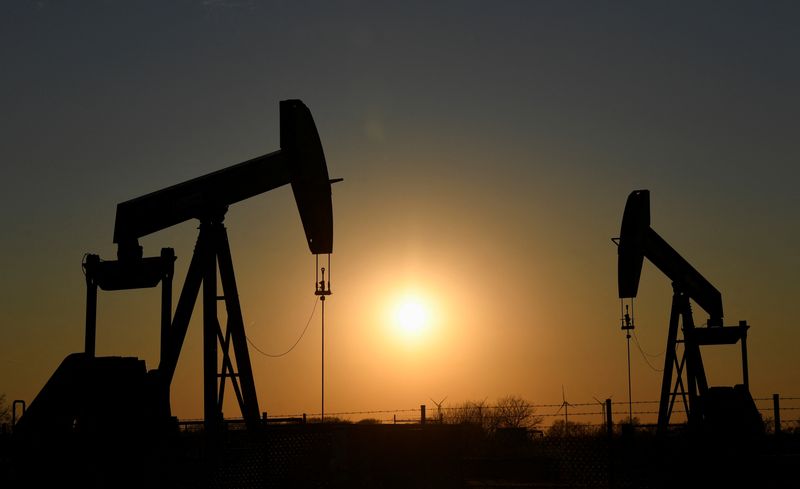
{"points": [[63, 404], [707, 408]]}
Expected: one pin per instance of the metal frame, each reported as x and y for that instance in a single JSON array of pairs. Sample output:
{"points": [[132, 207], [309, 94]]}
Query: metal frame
{"points": [[301, 163], [637, 241], [691, 361], [211, 254]]}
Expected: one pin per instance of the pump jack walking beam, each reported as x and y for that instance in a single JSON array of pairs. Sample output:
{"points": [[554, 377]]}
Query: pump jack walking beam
{"points": [[301, 163]]}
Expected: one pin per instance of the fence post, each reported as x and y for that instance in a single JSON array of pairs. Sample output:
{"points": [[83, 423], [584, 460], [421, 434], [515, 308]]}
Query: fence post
{"points": [[776, 408], [609, 421], [264, 418], [304, 418], [421, 414]]}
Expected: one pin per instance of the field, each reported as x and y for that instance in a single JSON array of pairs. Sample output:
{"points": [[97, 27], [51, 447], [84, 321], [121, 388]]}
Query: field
{"points": [[404, 456]]}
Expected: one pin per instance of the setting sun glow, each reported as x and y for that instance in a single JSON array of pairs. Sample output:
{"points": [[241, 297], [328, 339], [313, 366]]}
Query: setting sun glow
{"points": [[411, 317]]}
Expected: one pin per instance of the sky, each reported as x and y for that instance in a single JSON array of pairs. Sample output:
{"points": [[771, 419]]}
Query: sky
{"points": [[487, 149]]}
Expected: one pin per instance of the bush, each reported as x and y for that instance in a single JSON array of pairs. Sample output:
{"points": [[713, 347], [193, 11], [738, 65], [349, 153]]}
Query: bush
{"points": [[560, 428], [5, 410], [330, 420], [369, 421]]}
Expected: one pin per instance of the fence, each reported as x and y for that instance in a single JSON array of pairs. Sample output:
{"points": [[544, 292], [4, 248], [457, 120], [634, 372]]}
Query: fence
{"points": [[316, 454], [779, 413]]}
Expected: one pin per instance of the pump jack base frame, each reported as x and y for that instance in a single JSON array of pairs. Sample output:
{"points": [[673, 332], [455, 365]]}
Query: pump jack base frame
{"points": [[694, 391]]}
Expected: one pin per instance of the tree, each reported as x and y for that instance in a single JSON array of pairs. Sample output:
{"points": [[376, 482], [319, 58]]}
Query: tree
{"points": [[471, 412], [515, 412], [509, 412]]}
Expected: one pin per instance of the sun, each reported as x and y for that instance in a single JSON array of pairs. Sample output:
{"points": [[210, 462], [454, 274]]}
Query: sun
{"points": [[411, 317]]}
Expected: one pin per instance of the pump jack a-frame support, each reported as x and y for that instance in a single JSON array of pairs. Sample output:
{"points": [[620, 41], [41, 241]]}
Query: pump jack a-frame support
{"points": [[212, 252]]}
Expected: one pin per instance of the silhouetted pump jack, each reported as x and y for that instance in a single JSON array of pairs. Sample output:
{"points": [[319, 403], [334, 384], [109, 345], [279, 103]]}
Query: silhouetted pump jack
{"points": [[301, 163], [707, 408]]}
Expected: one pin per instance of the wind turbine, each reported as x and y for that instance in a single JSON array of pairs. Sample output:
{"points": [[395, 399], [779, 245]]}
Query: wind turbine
{"points": [[565, 405], [439, 407]]}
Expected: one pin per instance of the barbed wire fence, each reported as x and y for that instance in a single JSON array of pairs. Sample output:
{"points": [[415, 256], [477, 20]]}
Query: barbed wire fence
{"points": [[588, 414]]}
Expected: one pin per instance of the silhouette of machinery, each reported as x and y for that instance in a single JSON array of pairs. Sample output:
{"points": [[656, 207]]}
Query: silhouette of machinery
{"points": [[86, 391], [708, 408]]}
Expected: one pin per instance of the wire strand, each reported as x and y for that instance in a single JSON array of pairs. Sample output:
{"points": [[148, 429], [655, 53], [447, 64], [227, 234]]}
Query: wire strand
{"points": [[270, 355], [644, 356], [488, 408], [651, 355]]}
